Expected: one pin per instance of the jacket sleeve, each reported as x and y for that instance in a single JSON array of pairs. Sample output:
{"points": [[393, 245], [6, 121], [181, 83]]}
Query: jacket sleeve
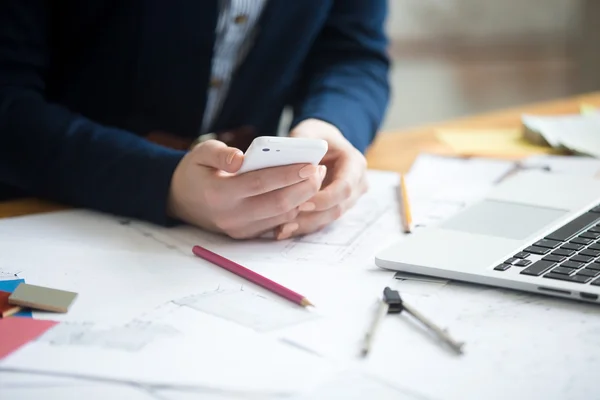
{"points": [[54, 153], [345, 78]]}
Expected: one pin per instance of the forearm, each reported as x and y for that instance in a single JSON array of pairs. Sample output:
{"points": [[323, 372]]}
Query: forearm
{"points": [[345, 80], [53, 153]]}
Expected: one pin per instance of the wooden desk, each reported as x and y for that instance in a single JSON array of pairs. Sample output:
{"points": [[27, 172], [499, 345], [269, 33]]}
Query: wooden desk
{"points": [[393, 151], [396, 151]]}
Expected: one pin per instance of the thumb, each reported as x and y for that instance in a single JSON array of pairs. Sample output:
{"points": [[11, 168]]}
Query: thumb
{"points": [[216, 154]]}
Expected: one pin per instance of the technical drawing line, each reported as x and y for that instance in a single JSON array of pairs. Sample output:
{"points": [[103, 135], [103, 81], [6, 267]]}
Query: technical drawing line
{"points": [[134, 226], [156, 387]]}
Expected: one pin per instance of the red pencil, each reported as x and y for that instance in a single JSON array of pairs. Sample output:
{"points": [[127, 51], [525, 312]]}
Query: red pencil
{"points": [[251, 276]]}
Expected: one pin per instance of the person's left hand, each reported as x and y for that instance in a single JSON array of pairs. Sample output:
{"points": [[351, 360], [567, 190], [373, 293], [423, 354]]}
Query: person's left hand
{"points": [[343, 185]]}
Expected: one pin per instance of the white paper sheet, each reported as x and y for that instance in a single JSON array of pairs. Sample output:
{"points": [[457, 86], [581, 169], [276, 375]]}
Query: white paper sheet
{"points": [[573, 165], [254, 310], [118, 287], [25, 386], [579, 133], [15, 385], [6, 274], [355, 385], [346, 385], [350, 240], [178, 347], [515, 343], [112, 287], [148, 279]]}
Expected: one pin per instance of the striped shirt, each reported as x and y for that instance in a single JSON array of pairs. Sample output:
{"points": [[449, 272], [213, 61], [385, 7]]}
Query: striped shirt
{"points": [[234, 36]]}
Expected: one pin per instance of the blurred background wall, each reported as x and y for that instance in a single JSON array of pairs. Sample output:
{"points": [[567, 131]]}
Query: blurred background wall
{"points": [[457, 57]]}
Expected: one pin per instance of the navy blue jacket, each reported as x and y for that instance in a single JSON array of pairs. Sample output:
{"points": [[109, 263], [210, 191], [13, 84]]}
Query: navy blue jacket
{"points": [[82, 83]]}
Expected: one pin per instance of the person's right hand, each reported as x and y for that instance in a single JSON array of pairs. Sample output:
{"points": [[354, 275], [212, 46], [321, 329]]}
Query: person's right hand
{"points": [[206, 193]]}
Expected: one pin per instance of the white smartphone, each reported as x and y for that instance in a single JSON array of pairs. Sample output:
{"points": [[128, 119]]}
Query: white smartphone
{"points": [[276, 151]]}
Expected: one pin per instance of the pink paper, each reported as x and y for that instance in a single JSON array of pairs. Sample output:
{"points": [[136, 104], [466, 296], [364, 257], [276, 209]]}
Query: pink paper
{"points": [[17, 331]]}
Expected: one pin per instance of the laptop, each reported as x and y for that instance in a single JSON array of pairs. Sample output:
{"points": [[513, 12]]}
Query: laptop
{"points": [[536, 231]]}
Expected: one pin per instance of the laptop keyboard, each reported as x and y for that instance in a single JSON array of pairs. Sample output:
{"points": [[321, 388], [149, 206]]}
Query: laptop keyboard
{"points": [[571, 253]]}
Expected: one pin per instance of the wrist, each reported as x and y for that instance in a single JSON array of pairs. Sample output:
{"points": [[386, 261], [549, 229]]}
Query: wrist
{"points": [[313, 127], [173, 207], [316, 128]]}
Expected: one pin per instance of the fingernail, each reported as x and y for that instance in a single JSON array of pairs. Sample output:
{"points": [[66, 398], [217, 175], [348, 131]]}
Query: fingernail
{"points": [[307, 171], [322, 171], [307, 206], [290, 228], [232, 155], [287, 230]]}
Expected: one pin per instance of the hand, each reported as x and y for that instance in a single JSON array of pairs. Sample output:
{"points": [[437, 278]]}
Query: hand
{"points": [[206, 193], [343, 185]]}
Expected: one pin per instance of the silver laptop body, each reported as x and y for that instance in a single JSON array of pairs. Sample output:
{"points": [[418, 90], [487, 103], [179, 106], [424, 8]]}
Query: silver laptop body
{"points": [[535, 231]]}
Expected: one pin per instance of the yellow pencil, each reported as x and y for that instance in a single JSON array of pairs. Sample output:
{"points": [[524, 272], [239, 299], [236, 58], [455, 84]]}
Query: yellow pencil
{"points": [[405, 215]]}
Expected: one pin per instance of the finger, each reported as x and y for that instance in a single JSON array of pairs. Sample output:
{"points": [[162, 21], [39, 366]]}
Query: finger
{"points": [[259, 227], [216, 154], [281, 201], [266, 180], [342, 187], [335, 193], [309, 222]]}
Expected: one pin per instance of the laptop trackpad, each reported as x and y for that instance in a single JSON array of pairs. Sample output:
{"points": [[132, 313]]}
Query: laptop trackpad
{"points": [[503, 219]]}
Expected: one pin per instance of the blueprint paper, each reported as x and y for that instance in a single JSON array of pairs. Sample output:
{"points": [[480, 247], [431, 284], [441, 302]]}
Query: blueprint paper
{"points": [[354, 385], [348, 385], [348, 241], [28, 386], [174, 346], [505, 333], [573, 165]]}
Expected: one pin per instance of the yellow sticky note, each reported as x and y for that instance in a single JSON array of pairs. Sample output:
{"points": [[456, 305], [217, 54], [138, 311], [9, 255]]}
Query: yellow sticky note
{"points": [[589, 109], [490, 142]]}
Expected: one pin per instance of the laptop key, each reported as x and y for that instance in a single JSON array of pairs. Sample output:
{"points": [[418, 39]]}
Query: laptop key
{"points": [[589, 272], [583, 259], [553, 257], [593, 265], [572, 264], [590, 235], [595, 209], [595, 246], [538, 268], [596, 282], [563, 271], [502, 267], [589, 253], [579, 278], [521, 254], [563, 252], [569, 278], [511, 261], [550, 244], [537, 250], [569, 230], [522, 263], [572, 246], [581, 240]]}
